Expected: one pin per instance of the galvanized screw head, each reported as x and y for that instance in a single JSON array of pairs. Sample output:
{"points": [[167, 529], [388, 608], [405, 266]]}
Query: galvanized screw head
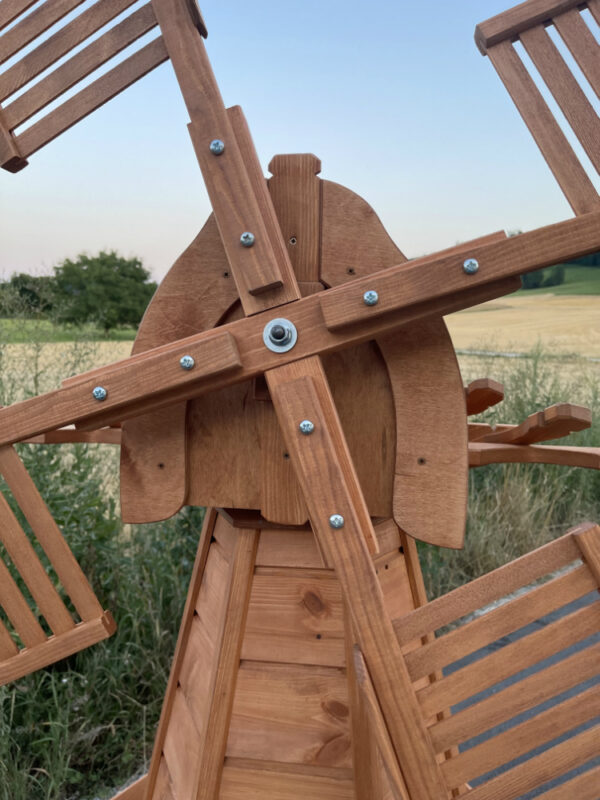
{"points": [[306, 427], [370, 298], [470, 266], [247, 239], [186, 362], [336, 521], [217, 147], [100, 393], [280, 335]]}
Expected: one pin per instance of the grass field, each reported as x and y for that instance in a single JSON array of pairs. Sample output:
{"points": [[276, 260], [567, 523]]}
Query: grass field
{"points": [[19, 331], [578, 280]]}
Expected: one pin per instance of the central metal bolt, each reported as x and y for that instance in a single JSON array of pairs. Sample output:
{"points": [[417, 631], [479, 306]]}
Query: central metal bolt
{"points": [[278, 334], [470, 266], [217, 147], [336, 521], [306, 427], [370, 298], [247, 239], [99, 393], [186, 362]]}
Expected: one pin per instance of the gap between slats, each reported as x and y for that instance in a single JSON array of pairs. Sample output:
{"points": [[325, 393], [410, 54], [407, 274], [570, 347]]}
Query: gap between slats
{"points": [[33, 25]]}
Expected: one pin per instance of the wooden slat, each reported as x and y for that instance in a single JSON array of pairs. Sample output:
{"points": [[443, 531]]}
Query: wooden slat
{"points": [[291, 713], [501, 621], [182, 639], [92, 97], [10, 10], [594, 8], [55, 648], [7, 645], [262, 274], [572, 178], [588, 542], [210, 765], [554, 422], [329, 485], [509, 24], [582, 44], [182, 747], [566, 91], [483, 393], [510, 659], [73, 436], [582, 787], [484, 590], [258, 781], [481, 454], [406, 285], [523, 738], [79, 66], [18, 611], [534, 772], [10, 157], [33, 573], [515, 699], [59, 44], [33, 25], [48, 535]]}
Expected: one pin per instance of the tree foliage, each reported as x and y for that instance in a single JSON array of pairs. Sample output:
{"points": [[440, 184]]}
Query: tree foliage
{"points": [[106, 289]]}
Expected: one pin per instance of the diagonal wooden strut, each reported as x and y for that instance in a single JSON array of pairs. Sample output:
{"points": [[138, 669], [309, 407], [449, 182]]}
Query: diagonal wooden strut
{"points": [[326, 475]]}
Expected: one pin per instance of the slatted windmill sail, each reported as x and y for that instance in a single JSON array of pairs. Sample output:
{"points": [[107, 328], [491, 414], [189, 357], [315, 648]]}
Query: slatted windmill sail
{"points": [[307, 662]]}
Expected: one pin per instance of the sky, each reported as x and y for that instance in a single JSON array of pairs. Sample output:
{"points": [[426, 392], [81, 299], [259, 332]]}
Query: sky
{"points": [[393, 97]]}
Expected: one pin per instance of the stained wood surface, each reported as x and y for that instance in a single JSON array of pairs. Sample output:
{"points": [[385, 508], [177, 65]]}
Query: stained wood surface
{"points": [[329, 486], [553, 422], [11, 9], [583, 46], [34, 24], [511, 23], [481, 454], [246, 779], [10, 156], [482, 394]]}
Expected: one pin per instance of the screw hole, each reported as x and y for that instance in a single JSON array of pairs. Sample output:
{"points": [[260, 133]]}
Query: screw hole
{"points": [[401, 550], [286, 455], [421, 461], [293, 240], [387, 566], [225, 274], [161, 465], [351, 271], [318, 636]]}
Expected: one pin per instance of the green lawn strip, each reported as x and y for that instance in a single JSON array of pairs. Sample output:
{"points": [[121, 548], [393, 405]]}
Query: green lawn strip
{"points": [[19, 331], [578, 281]]}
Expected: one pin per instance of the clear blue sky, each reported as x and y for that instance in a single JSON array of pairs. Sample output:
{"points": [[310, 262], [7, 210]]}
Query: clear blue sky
{"points": [[393, 97]]}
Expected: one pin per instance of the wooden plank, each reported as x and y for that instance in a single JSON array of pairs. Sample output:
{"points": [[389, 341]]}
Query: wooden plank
{"points": [[431, 470], [523, 738], [295, 190], [210, 764], [482, 394], [182, 639], [510, 24], [515, 699], [407, 284], [73, 436], [10, 10], [134, 792], [566, 91], [254, 781], [582, 44], [92, 97], [258, 269], [554, 422], [10, 157], [55, 648], [8, 647], [59, 44], [594, 9], [182, 748], [380, 731], [80, 66], [292, 714], [48, 535], [481, 454], [329, 485], [588, 541], [501, 621], [536, 771], [31, 570], [583, 787], [553, 144], [34, 24], [17, 610]]}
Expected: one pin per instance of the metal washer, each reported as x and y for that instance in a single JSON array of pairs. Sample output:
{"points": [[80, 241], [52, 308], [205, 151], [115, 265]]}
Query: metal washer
{"points": [[273, 346]]}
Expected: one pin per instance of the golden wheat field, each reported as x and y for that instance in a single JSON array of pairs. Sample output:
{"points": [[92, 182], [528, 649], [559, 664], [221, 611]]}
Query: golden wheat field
{"points": [[561, 324]]}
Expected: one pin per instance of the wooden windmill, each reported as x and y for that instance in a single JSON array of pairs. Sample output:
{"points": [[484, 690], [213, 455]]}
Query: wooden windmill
{"points": [[294, 373]]}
